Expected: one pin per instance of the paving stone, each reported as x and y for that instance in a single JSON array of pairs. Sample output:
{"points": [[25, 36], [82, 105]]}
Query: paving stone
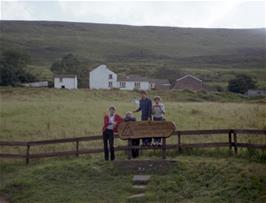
{"points": [[139, 188], [138, 197], [141, 179]]}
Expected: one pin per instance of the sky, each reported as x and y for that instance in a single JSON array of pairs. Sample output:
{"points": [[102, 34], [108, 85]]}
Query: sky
{"points": [[207, 14]]}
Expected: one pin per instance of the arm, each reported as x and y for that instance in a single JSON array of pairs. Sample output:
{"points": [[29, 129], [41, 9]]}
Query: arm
{"points": [[119, 119], [163, 109], [105, 122], [149, 109], [138, 109]]}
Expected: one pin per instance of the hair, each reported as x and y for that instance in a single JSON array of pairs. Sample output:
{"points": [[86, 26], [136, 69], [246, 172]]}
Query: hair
{"points": [[143, 92], [157, 97], [112, 108]]}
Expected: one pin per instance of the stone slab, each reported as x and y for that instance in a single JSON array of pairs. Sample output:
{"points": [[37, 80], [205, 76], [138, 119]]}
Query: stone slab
{"points": [[141, 179]]}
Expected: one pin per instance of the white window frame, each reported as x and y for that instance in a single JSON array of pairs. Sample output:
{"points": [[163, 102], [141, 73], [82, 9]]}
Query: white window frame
{"points": [[137, 85], [123, 84]]}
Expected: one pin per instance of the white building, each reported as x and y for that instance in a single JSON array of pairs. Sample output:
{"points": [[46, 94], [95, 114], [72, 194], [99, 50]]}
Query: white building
{"points": [[256, 92], [103, 78], [36, 84], [133, 82], [66, 81]]}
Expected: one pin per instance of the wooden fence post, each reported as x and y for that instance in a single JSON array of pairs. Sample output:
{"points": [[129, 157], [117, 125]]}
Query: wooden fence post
{"points": [[129, 152], [28, 154], [179, 141], [164, 148], [235, 142], [230, 141], [77, 148]]}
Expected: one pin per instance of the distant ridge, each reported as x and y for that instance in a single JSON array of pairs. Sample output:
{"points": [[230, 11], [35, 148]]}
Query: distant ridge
{"points": [[47, 41]]}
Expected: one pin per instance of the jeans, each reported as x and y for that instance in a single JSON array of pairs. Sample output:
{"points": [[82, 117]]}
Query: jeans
{"points": [[108, 136], [157, 139], [135, 152], [146, 141]]}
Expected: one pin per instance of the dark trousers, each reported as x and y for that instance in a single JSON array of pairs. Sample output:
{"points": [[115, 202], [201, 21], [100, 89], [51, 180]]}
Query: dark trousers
{"points": [[108, 137], [135, 152], [158, 139], [146, 141]]}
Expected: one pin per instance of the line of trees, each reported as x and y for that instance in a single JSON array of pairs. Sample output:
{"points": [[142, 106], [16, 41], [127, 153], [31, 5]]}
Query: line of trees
{"points": [[13, 68], [13, 71]]}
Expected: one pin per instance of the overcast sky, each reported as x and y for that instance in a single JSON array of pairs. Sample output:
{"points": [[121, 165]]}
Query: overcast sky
{"points": [[209, 14]]}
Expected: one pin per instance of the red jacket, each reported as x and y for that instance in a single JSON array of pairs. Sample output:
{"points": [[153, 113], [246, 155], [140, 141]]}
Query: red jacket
{"points": [[118, 119]]}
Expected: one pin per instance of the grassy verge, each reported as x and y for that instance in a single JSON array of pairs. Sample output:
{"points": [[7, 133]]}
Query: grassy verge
{"points": [[200, 176], [88, 179]]}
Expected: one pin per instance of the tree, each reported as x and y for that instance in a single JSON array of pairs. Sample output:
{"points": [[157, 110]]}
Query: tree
{"points": [[241, 84], [69, 64], [13, 66]]}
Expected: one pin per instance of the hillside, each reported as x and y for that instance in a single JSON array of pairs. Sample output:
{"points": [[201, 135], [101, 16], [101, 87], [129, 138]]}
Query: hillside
{"points": [[214, 55], [47, 41]]}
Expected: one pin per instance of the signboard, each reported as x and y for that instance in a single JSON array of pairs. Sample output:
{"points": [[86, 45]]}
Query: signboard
{"points": [[143, 129]]}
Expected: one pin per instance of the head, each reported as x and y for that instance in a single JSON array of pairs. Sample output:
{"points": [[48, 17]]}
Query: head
{"points": [[129, 114], [157, 99], [111, 110], [143, 94]]}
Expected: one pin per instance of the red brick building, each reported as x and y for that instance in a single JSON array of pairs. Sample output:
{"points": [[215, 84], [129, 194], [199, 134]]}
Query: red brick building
{"points": [[189, 82]]}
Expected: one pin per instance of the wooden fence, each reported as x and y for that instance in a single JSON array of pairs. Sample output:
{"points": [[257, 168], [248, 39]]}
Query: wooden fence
{"points": [[232, 144]]}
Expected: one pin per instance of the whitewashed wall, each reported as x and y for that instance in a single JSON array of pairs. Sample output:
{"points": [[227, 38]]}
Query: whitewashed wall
{"points": [[69, 83], [99, 78], [130, 85]]}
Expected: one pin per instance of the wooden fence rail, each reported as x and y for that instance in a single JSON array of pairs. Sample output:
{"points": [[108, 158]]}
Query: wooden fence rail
{"points": [[231, 144]]}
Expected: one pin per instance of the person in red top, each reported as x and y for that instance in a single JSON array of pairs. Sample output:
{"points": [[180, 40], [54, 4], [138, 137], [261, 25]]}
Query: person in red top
{"points": [[111, 122]]}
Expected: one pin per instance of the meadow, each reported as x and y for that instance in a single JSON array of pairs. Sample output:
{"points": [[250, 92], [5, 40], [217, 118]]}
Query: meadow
{"points": [[208, 175]]}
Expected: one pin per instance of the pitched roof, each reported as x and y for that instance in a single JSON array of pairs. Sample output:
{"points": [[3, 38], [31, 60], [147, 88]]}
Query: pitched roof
{"points": [[132, 78], [188, 75], [101, 66], [160, 81], [64, 76]]}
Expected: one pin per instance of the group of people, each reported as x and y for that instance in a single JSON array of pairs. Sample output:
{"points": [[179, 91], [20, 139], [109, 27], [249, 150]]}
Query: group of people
{"points": [[149, 111]]}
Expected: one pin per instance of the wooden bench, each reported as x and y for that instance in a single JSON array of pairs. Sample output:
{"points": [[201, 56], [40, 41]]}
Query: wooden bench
{"points": [[146, 129]]}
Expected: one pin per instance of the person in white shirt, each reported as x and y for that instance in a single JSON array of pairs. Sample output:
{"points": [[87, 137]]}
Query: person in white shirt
{"points": [[158, 114]]}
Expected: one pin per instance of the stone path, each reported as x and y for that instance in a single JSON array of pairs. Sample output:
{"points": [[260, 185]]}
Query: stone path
{"points": [[139, 187], [2, 200]]}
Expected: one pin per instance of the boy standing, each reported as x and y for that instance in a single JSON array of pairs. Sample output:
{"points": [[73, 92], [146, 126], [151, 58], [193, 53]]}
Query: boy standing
{"points": [[135, 142], [158, 112], [111, 121], [145, 106]]}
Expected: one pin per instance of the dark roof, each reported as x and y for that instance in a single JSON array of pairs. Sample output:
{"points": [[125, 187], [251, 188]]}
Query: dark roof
{"points": [[188, 75], [132, 78], [160, 81], [65, 76]]}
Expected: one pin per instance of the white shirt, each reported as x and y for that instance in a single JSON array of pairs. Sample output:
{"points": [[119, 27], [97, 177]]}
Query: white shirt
{"points": [[111, 121]]}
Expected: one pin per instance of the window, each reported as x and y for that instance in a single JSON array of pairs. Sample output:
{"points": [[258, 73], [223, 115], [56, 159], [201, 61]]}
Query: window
{"points": [[110, 76], [122, 84], [110, 84], [137, 85], [61, 79]]}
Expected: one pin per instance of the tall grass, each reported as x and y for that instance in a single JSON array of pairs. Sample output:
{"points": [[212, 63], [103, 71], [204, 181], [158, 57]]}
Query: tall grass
{"points": [[37, 114]]}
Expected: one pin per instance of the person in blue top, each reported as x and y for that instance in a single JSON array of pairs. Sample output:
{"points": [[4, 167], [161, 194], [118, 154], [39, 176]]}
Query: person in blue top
{"points": [[145, 106]]}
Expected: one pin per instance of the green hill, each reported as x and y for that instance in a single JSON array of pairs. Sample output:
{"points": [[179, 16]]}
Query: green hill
{"points": [[47, 41], [140, 49]]}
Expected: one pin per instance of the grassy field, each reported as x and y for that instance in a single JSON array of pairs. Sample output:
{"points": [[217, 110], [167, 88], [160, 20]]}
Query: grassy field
{"points": [[199, 176]]}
